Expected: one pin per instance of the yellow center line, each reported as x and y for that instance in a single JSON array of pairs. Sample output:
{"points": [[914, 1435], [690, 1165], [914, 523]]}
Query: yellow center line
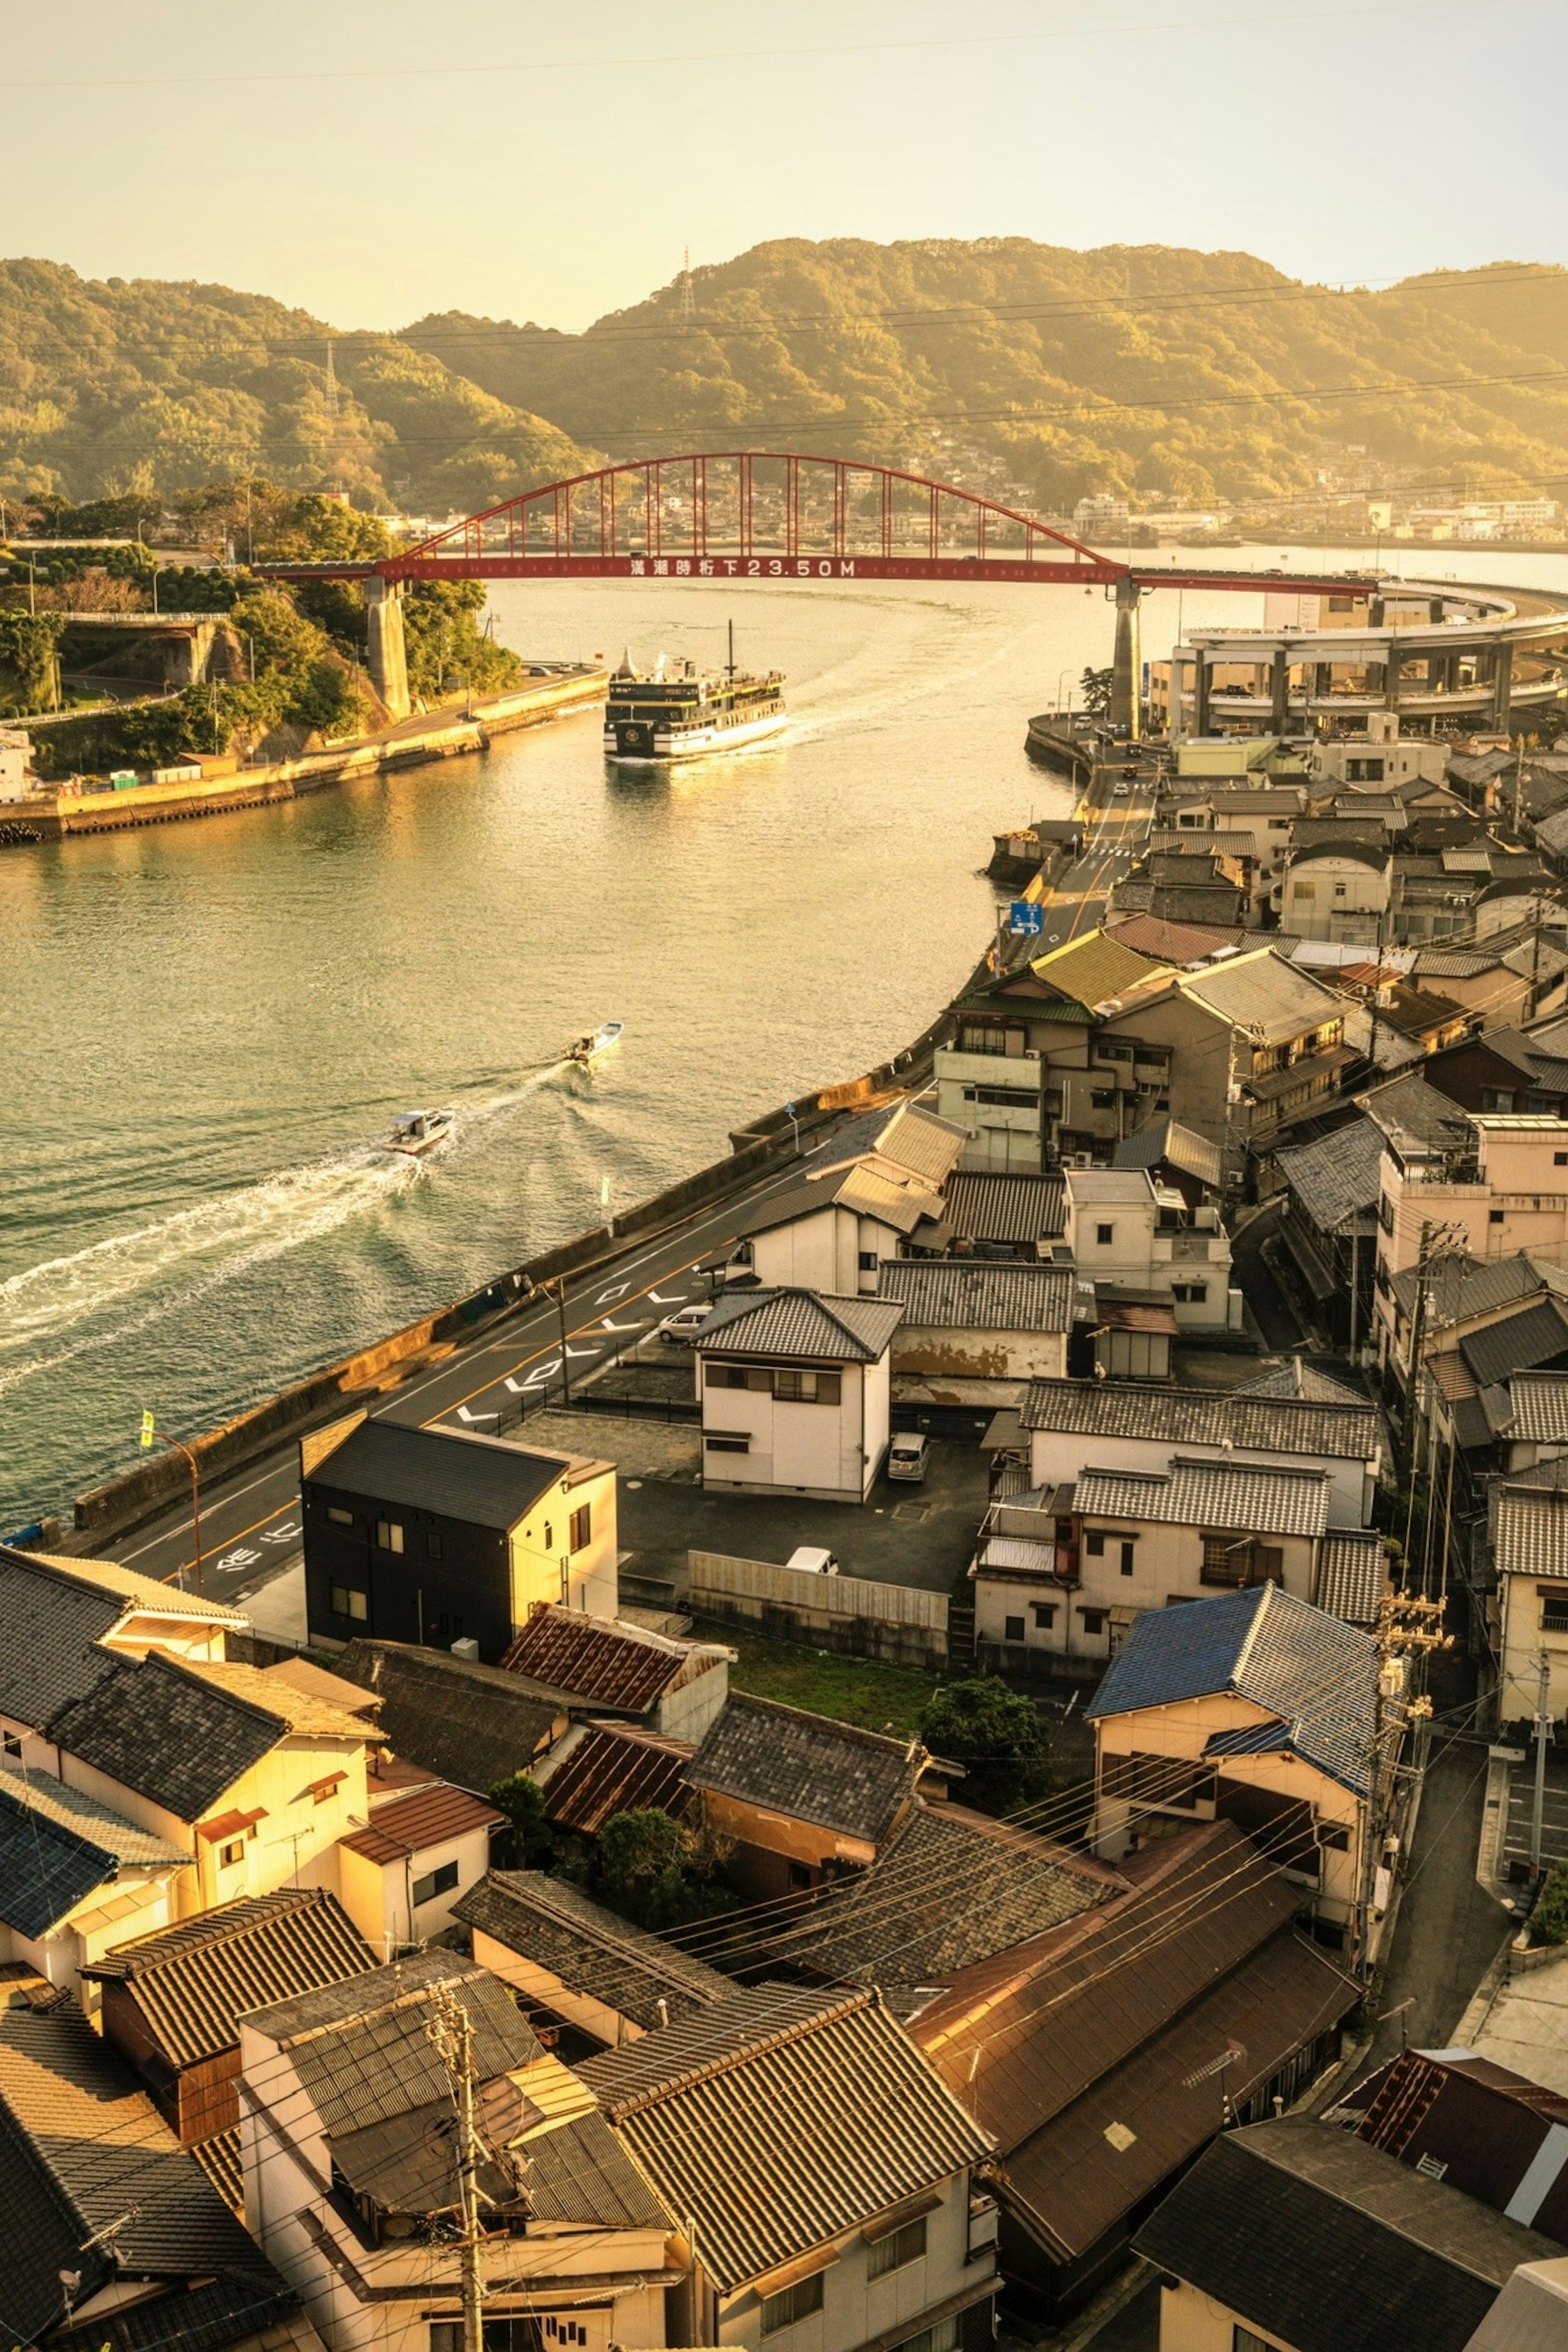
{"points": [[229, 1542]]}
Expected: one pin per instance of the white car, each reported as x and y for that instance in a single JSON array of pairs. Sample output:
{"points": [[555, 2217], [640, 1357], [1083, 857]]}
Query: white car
{"points": [[907, 1454], [813, 1560], [680, 1329], [1121, 791]]}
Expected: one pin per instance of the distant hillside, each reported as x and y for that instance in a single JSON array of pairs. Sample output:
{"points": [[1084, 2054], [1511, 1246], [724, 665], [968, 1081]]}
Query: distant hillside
{"points": [[1168, 373]]}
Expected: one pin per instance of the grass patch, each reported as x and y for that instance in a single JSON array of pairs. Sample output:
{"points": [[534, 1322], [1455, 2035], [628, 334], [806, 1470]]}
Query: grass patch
{"points": [[850, 1690]]}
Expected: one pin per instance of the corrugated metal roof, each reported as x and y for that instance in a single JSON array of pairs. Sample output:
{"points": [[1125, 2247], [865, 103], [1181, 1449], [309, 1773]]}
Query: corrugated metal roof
{"points": [[1271, 1000], [590, 1949], [807, 1766], [1336, 1178], [813, 1324], [1094, 968], [1540, 1407], [1315, 1673], [1529, 1530], [602, 1659], [1181, 1147], [614, 1768], [1201, 1417], [409, 1825], [1353, 1575], [974, 1295], [1219, 1495], [1005, 1208], [753, 2114], [194, 1982]]}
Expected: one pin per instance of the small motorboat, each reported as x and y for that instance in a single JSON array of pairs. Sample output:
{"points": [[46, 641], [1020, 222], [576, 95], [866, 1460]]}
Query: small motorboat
{"points": [[416, 1132], [584, 1050]]}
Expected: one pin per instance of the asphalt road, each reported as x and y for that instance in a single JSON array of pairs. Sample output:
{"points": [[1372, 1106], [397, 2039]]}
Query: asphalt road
{"points": [[251, 1526], [1115, 833]]}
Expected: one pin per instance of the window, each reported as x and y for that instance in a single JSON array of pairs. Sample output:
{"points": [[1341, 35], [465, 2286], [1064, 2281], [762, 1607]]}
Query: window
{"points": [[801, 1877], [1236, 1560], [1304, 891], [1102, 1099], [727, 1441], [1095, 1543], [869, 1261], [1192, 1294], [1012, 1628], [979, 1037], [434, 1883], [1338, 890], [1093, 1620], [389, 1535], [1104, 1236], [581, 1527], [339, 1518], [1553, 1611], [1242, 2338], [346, 1603], [228, 1855], [792, 2304], [1044, 1615], [1559, 1159], [1494, 1216], [895, 2252], [549, 1537], [943, 2338], [1001, 1097], [1104, 1053], [807, 1388], [1335, 1835], [433, 1545], [1126, 1555], [9, 1744]]}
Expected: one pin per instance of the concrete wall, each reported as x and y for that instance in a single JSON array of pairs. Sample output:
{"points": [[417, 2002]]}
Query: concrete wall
{"points": [[979, 1355], [1190, 2322], [896, 1623], [378, 1896]]}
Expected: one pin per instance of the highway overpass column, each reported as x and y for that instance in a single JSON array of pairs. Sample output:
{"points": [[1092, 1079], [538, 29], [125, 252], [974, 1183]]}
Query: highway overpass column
{"points": [[187, 655], [1126, 677], [1200, 686], [1391, 679], [1280, 691], [1503, 688], [385, 644]]}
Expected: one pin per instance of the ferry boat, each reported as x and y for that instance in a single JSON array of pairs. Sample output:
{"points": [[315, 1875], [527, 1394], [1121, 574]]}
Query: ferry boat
{"points": [[416, 1132], [681, 713], [584, 1050]]}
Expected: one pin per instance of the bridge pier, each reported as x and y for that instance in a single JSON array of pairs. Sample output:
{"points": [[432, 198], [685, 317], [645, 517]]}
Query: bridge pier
{"points": [[1503, 688], [385, 644], [1127, 667], [187, 656]]}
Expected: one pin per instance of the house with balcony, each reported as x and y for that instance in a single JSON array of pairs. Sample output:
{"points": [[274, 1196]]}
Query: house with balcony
{"points": [[1253, 1707], [1126, 1231]]}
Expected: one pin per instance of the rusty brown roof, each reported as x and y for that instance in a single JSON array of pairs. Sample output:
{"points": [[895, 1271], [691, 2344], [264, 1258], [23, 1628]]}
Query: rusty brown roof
{"points": [[616, 1767], [607, 1664], [407, 1825]]}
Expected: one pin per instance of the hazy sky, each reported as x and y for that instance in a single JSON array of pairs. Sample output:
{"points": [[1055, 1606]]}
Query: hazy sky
{"points": [[374, 162]]}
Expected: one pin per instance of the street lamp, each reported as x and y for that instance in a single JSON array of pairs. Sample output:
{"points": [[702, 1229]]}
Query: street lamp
{"points": [[152, 1434]]}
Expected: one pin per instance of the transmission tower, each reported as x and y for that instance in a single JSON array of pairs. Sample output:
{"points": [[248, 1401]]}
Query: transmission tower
{"points": [[688, 292]]}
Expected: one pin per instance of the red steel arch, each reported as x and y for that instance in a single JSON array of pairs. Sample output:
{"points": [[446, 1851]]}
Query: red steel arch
{"points": [[748, 514]]}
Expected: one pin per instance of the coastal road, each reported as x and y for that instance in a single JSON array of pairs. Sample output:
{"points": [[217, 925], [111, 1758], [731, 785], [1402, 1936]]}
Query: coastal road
{"points": [[251, 1523], [1115, 830]]}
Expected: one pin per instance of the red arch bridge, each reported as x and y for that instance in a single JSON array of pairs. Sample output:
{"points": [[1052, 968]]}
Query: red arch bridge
{"points": [[774, 517]]}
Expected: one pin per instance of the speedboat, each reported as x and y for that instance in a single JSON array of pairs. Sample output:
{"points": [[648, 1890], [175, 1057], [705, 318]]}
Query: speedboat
{"points": [[416, 1132], [584, 1050]]}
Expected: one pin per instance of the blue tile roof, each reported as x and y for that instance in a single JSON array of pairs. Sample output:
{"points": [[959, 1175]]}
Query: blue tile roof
{"points": [[1314, 1674]]}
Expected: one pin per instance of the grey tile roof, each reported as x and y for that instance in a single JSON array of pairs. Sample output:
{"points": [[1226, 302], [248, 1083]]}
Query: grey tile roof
{"points": [[1335, 1179], [1005, 1207], [1417, 1120], [1530, 1529], [718, 2109], [1460, 1286], [1535, 1335], [1219, 1495], [56, 1846], [1165, 1140], [1202, 1417], [950, 1888], [192, 1982], [1296, 1377], [1540, 1403], [1352, 1574], [482, 1480], [1314, 1673], [470, 1724], [978, 1294], [593, 1950], [81, 2148], [1264, 996], [810, 1324], [1317, 2240], [172, 1737], [807, 1766], [59, 1660]]}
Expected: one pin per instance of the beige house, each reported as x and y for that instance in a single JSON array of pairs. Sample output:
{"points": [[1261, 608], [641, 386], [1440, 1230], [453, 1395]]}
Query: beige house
{"points": [[1496, 1184], [1256, 1708], [1125, 1229], [833, 1229], [76, 1878], [1337, 893], [401, 1877], [973, 1319], [794, 1388], [1530, 1607]]}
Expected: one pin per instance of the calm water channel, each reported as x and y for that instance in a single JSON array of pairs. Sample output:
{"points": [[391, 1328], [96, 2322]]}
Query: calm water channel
{"points": [[205, 1028]]}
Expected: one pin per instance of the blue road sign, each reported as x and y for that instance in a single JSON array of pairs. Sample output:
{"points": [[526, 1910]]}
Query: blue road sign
{"points": [[1025, 920]]}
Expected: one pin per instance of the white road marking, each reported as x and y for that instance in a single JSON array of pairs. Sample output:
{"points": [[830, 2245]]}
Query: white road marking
{"points": [[616, 1290], [675, 1298], [243, 1557], [607, 1326], [585, 1351], [288, 1534], [464, 1414]]}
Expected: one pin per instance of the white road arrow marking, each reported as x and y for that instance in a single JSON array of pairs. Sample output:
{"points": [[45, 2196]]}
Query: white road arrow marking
{"points": [[585, 1351], [464, 1414], [616, 1290], [607, 1326], [675, 1298], [536, 1380]]}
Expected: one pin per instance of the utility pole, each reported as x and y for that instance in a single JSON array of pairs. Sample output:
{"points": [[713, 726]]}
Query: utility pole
{"points": [[565, 1353], [1542, 1734], [452, 2035], [1408, 1626]]}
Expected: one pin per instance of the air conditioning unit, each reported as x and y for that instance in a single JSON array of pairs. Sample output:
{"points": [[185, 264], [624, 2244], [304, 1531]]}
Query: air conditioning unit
{"points": [[1077, 1159]]}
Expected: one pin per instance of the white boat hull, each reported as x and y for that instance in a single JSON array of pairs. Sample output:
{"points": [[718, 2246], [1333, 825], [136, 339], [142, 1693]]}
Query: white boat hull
{"points": [[696, 742]]}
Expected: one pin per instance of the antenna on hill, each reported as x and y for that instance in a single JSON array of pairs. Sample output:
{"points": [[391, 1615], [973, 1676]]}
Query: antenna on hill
{"points": [[331, 386], [688, 303]]}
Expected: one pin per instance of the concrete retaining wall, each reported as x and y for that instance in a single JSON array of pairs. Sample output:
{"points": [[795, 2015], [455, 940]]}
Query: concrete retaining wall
{"points": [[895, 1623]]}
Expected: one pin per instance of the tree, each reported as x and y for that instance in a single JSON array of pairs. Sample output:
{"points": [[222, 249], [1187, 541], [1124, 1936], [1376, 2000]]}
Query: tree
{"points": [[27, 642], [532, 1841], [1097, 684], [658, 1870], [997, 1735], [441, 629]]}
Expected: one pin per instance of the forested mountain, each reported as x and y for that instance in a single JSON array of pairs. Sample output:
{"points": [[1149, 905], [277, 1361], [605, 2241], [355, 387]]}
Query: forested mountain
{"points": [[1169, 373]]}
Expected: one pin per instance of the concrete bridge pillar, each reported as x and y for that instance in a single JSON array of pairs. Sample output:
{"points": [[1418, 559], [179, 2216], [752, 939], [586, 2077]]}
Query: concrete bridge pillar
{"points": [[1503, 688], [1280, 691], [1391, 676], [1127, 670], [1202, 679], [387, 652], [188, 657]]}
